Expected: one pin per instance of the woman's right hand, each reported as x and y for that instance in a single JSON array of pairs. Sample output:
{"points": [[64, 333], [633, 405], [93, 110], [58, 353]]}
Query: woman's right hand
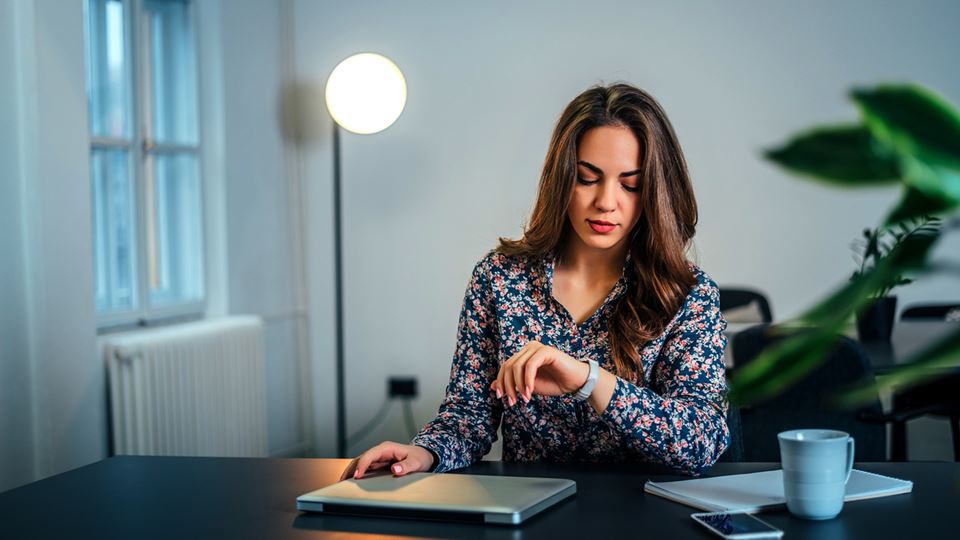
{"points": [[402, 459]]}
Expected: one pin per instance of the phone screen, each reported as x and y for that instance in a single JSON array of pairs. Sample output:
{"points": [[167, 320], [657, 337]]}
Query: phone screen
{"points": [[736, 524]]}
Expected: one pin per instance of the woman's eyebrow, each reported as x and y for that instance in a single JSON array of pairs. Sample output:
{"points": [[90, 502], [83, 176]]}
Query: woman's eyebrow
{"points": [[599, 171]]}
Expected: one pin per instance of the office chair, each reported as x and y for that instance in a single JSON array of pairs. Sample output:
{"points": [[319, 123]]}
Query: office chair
{"points": [[745, 306], [806, 404], [939, 397]]}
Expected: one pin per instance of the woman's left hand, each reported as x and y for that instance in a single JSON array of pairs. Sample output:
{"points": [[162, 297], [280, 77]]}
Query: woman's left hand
{"points": [[539, 369]]}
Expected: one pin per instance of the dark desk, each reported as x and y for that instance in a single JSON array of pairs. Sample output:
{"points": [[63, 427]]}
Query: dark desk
{"points": [[163, 497]]}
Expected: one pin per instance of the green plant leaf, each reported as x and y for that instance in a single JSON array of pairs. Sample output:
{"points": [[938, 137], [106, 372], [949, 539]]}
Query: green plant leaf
{"points": [[784, 363], [915, 203], [927, 364], [840, 155], [913, 120], [908, 256], [937, 181], [910, 134], [781, 365], [837, 307]]}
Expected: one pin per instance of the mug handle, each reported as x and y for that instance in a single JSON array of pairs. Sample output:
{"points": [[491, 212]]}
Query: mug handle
{"points": [[850, 452]]}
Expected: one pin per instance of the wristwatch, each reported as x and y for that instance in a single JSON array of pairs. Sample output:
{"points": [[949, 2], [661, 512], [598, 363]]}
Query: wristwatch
{"points": [[584, 392]]}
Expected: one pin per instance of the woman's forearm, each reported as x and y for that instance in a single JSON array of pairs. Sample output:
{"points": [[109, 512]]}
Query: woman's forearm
{"points": [[603, 391]]}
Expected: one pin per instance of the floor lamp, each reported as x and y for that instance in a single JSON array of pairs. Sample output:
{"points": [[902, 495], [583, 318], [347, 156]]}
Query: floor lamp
{"points": [[365, 94]]}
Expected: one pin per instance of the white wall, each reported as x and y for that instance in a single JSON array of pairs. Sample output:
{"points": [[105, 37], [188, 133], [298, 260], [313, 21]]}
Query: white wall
{"points": [[487, 80], [16, 406], [263, 248], [56, 381]]}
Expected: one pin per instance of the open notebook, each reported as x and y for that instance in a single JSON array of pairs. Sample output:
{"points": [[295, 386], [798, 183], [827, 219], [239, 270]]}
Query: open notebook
{"points": [[758, 491]]}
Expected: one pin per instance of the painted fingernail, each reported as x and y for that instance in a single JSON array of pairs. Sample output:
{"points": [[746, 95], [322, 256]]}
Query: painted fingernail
{"points": [[499, 394], [397, 469], [356, 474]]}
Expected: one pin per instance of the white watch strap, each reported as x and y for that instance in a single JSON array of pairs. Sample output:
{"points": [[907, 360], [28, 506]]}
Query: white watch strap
{"points": [[584, 392]]}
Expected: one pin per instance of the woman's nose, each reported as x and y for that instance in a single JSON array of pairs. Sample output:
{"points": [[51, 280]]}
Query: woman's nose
{"points": [[606, 197]]}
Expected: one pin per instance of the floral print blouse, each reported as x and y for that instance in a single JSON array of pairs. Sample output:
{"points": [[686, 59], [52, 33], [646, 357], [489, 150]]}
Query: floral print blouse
{"points": [[675, 415]]}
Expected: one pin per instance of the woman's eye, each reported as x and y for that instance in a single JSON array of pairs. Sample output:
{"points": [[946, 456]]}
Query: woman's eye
{"points": [[630, 188], [586, 182]]}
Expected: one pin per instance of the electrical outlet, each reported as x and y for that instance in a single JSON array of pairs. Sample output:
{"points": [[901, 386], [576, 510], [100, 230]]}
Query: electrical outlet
{"points": [[402, 387]]}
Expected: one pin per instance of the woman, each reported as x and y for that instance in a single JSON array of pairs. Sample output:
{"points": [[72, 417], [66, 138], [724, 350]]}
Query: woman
{"points": [[592, 338]]}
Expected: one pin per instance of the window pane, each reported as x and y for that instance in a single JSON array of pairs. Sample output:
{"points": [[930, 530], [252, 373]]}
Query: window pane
{"points": [[174, 229], [108, 69], [113, 230], [171, 72]]}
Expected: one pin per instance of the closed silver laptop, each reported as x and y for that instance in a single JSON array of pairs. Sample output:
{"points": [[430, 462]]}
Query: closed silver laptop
{"points": [[455, 497]]}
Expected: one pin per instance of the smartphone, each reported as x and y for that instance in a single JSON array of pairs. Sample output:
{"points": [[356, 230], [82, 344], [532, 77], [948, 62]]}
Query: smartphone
{"points": [[737, 525]]}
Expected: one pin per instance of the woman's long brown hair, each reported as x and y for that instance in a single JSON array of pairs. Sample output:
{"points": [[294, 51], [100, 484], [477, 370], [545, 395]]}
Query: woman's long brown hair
{"points": [[660, 238]]}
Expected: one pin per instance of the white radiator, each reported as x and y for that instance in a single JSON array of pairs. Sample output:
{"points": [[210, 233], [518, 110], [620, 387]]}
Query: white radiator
{"points": [[193, 389]]}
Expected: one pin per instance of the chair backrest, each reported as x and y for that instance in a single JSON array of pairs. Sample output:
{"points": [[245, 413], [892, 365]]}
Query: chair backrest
{"points": [[734, 301], [939, 312], [807, 404]]}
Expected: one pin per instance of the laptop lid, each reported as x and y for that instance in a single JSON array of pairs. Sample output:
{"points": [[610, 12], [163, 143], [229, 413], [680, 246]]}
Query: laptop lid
{"points": [[456, 497]]}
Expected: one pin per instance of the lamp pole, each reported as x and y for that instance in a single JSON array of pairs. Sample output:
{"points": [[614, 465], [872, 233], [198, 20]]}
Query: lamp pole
{"points": [[338, 296]]}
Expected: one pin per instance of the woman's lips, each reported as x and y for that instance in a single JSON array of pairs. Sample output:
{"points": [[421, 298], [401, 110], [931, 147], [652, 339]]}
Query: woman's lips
{"points": [[601, 227]]}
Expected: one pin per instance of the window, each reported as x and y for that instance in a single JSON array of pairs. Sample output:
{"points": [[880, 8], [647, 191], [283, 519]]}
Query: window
{"points": [[144, 156]]}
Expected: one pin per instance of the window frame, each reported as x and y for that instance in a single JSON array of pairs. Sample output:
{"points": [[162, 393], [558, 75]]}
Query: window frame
{"points": [[141, 148]]}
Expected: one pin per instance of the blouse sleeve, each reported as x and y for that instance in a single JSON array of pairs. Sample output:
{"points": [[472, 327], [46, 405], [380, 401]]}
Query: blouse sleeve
{"points": [[681, 419], [469, 416]]}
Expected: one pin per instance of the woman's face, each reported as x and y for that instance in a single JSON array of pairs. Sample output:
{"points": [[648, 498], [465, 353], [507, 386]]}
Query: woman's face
{"points": [[606, 201]]}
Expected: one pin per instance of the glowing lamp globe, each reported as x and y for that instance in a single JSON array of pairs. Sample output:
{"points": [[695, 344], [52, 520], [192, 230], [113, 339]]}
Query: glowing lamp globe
{"points": [[366, 93]]}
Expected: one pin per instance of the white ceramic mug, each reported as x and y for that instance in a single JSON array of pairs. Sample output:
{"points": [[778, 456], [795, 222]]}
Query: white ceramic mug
{"points": [[816, 466]]}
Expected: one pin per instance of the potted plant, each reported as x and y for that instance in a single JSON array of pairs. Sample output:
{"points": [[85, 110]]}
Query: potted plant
{"points": [[875, 318]]}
